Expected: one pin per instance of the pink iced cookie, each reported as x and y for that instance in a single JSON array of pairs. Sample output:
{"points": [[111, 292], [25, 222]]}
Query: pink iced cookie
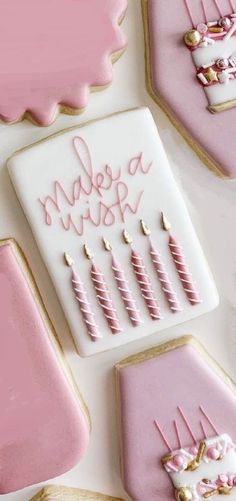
{"points": [[54, 53], [54, 493], [178, 432], [191, 70], [43, 427]]}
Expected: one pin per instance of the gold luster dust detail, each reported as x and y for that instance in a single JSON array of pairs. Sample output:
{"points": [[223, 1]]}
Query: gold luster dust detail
{"points": [[210, 494], [107, 245], [127, 238], [192, 38], [146, 230], [69, 261], [211, 75], [184, 494], [165, 223], [88, 252], [215, 29], [195, 463]]}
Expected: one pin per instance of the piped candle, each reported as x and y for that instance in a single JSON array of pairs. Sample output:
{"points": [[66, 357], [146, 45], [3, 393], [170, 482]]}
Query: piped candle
{"points": [[103, 295], [161, 271], [81, 296], [124, 288], [181, 266], [143, 280]]}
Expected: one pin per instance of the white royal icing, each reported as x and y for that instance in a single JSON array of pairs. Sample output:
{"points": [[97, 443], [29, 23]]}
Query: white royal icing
{"points": [[114, 141], [207, 56], [212, 470]]}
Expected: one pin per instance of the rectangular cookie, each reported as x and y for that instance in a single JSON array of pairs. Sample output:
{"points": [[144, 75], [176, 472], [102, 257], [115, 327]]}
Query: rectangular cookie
{"points": [[59, 493], [90, 186]]}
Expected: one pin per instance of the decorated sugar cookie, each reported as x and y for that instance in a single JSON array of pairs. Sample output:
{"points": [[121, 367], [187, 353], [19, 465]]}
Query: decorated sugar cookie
{"points": [[178, 432], [191, 52], [53, 493], [121, 270], [55, 53], [44, 429]]}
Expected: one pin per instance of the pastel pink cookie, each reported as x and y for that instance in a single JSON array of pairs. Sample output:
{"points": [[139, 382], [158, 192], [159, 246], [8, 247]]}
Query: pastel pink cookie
{"points": [[196, 84], [53, 493], [54, 52], [178, 431], [43, 428]]}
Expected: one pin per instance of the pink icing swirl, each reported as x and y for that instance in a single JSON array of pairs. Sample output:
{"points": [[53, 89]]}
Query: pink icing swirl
{"points": [[105, 300], [85, 307], [144, 282], [126, 293], [166, 284], [184, 272]]}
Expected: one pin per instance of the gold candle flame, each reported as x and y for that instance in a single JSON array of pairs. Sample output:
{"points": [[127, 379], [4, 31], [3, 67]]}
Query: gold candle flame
{"points": [[165, 223], [69, 261], [107, 245], [127, 238], [88, 252], [146, 230]]}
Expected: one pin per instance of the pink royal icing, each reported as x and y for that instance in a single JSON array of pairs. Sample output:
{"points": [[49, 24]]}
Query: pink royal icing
{"points": [[43, 54], [152, 386], [43, 430]]}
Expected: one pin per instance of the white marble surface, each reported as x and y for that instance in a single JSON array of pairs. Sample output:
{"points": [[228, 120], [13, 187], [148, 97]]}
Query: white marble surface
{"points": [[211, 203]]}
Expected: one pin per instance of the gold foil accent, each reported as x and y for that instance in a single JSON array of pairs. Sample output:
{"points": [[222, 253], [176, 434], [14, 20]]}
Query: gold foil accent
{"points": [[215, 29], [165, 223], [107, 245], [145, 229], [166, 458], [183, 494], [127, 237], [69, 261], [195, 463], [210, 494], [88, 252], [211, 75]]}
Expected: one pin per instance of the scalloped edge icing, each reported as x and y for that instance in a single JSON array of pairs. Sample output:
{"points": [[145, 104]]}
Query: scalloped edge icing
{"points": [[61, 108]]}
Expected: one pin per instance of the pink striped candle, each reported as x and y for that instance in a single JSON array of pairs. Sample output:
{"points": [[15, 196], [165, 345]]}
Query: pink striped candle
{"points": [[103, 295], [182, 266], [143, 281], [162, 273], [124, 288], [81, 296]]}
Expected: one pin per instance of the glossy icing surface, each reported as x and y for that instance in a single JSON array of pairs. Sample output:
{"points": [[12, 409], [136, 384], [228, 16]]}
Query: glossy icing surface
{"points": [[43, 430], [97, 181], [173, 75], [152, 390], [43, 54]]}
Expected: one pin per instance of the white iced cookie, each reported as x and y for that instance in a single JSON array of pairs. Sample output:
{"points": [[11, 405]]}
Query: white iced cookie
{"points": [[94, 197]]}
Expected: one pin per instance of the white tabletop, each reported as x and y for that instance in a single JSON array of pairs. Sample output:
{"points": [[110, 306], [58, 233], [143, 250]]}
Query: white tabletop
{"points": [[212, 206]]}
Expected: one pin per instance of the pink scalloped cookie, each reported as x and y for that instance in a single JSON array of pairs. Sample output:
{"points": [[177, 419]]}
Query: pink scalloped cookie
{"points": [[53, 54], [178, 431], [191, 71], [44, 430], [54, 493]]}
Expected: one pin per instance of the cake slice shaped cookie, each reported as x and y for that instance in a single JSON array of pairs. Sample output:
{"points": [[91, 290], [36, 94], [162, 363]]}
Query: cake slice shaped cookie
{"points": [[191, 73], [178, 431], [54, 493], [44, 428], [94, 197], [56, 53]]}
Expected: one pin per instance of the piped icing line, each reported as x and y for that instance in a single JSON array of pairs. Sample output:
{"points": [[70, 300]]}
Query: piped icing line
{"points": [[218, 8], [166, 285], [181, 266], [180, 410], [103, 295], [143, 280], [81, 296], [124, 288]]}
